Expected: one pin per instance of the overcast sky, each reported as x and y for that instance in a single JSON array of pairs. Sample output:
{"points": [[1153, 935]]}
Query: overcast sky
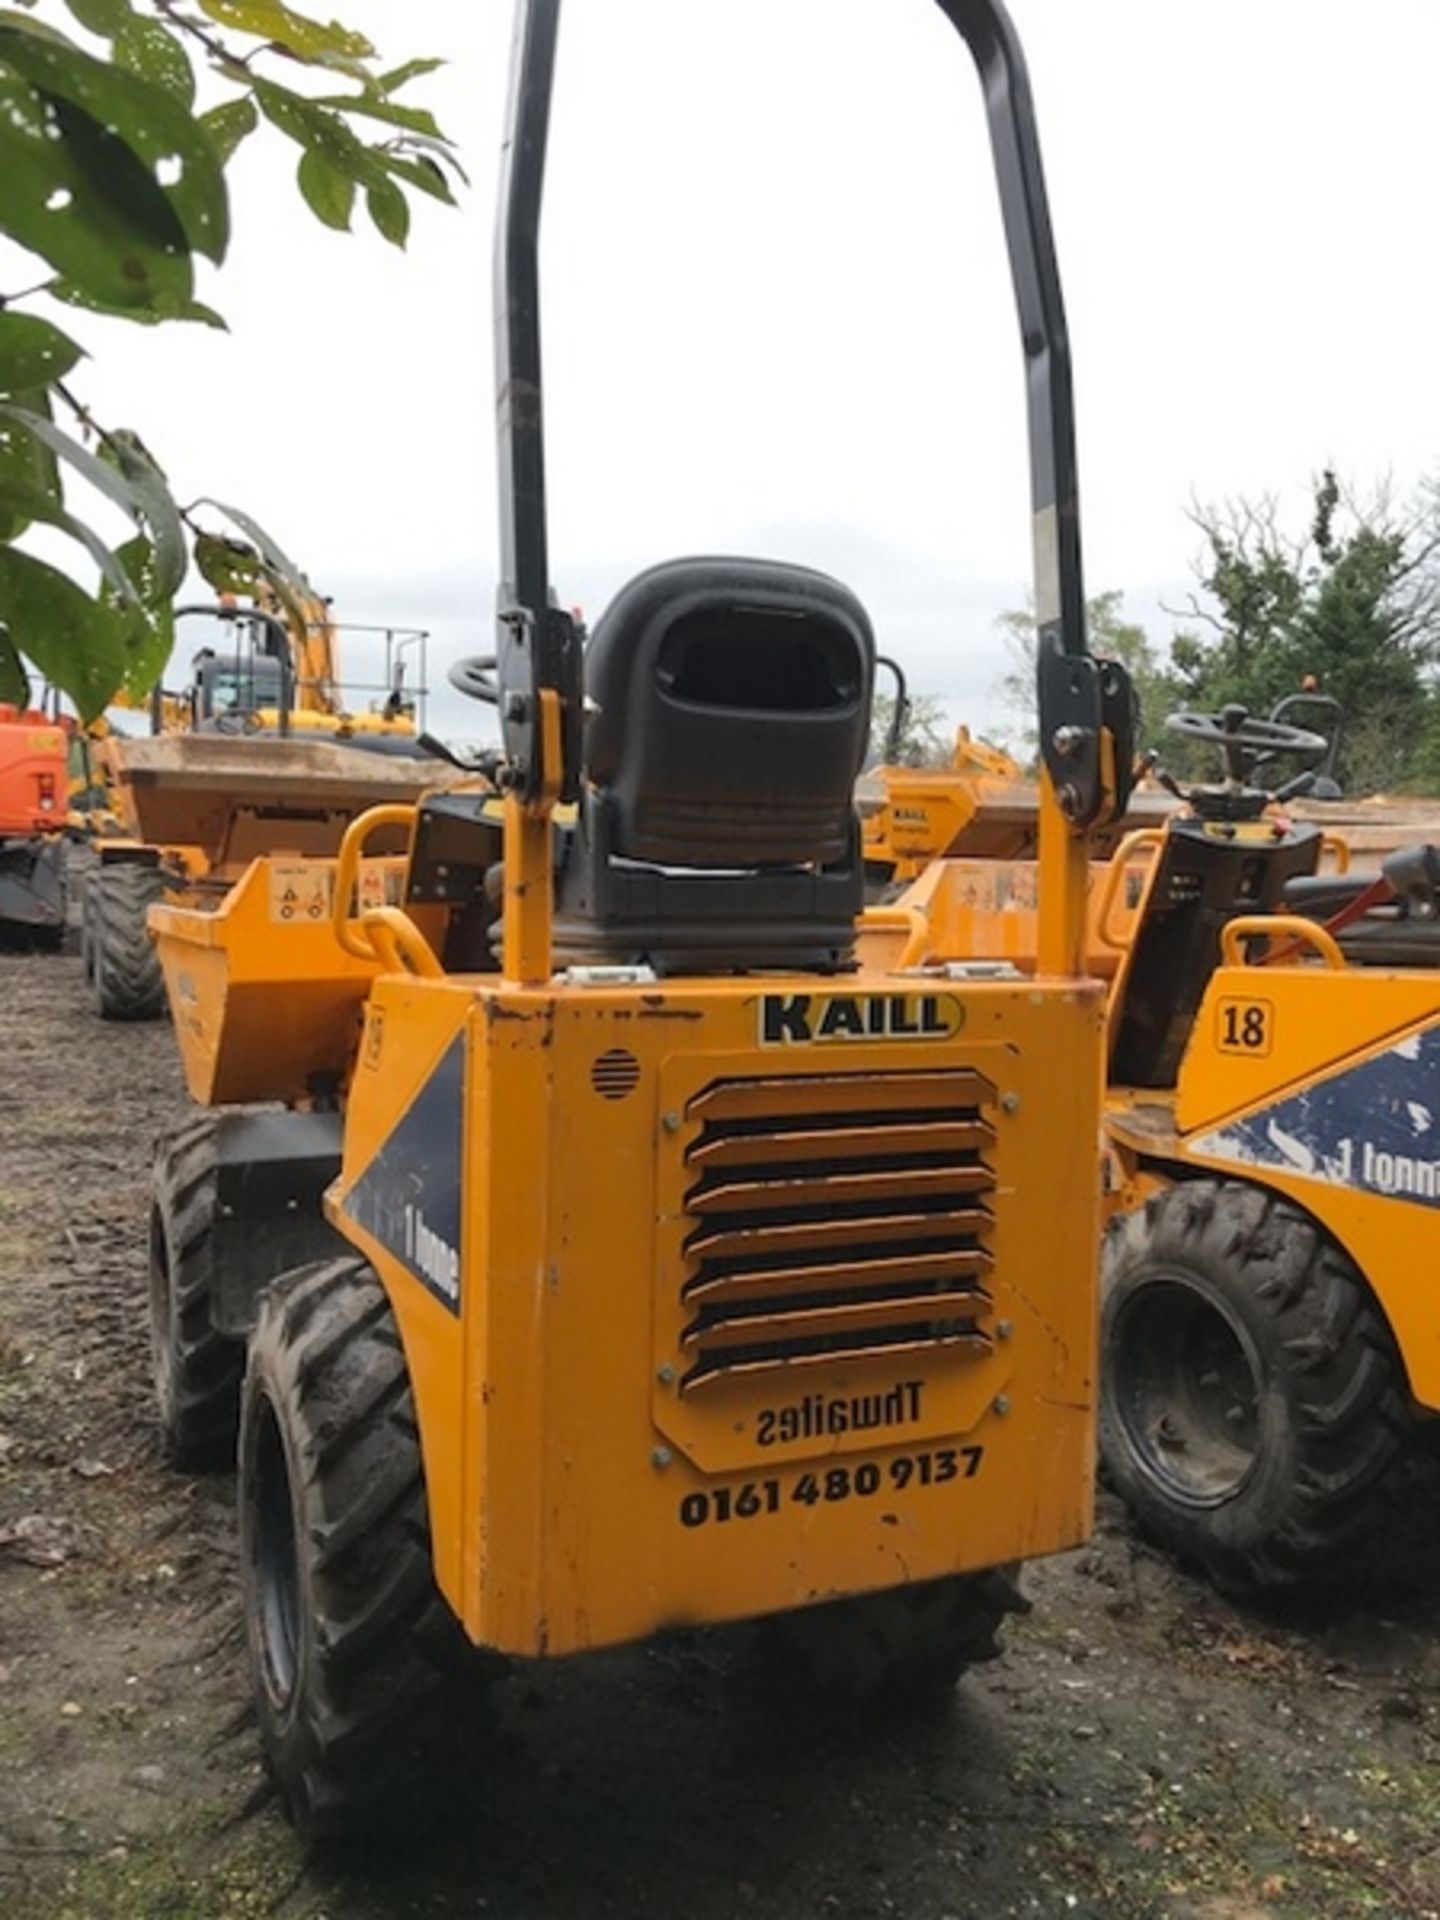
{"points": [[778, 317]]}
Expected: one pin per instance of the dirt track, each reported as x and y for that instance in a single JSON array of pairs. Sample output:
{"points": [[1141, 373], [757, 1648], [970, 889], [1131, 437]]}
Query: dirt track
{"points": [[1143, 1749]]}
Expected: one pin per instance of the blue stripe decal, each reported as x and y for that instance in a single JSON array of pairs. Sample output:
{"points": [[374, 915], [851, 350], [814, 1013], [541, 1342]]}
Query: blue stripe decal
{"points": [[1374, 1127]]}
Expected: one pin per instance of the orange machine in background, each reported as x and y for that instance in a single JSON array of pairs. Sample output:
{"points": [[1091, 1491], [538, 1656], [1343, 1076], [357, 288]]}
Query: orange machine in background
{"points": [[33, 783]]}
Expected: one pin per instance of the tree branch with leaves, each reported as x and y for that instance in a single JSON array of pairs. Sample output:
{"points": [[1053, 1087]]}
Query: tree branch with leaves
{"points": [[1351, 604], [112, 191]]}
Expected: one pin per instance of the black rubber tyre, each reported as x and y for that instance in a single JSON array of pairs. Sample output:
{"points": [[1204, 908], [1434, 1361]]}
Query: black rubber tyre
{"points": [[349, 1638], [1252, 1400], [124, 968], [197, 1369], [908, 1646]]}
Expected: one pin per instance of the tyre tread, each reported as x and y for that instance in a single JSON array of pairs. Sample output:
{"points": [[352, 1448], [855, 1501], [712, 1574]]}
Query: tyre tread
{"points": [[200, 1399], [1346, 1383], [128, 981], [381, 1640]]}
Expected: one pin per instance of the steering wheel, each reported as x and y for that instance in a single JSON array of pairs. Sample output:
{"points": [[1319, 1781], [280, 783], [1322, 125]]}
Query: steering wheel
{"points": [[474, 676], [1239, 737], [1266, 736]]}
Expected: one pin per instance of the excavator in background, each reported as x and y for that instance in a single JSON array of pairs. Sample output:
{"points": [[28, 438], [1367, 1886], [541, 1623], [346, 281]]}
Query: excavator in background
{"points": [[34, 779], [259, 752], [282, 675]]}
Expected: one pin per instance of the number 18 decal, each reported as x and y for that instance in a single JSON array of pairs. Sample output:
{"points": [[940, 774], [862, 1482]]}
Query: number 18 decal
{"points": [[1245, 1026]]}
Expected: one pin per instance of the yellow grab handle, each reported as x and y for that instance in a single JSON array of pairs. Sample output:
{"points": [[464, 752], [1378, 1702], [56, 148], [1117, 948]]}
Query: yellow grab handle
{"points": [[1277, 926], [347, 871], [1114, 875], [394, 949], [399, 944]]}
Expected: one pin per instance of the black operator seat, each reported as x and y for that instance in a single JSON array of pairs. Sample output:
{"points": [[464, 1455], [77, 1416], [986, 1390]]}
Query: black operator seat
{"points": [[1208, 872], [728, 705], [1400, 927]]}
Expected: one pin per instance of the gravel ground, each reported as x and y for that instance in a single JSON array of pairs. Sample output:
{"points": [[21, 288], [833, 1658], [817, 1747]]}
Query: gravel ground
{"points": [[1143, 1749]]}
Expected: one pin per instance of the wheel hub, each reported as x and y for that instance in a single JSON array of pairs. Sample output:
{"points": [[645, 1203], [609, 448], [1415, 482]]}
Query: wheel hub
{"points": [[1187, 1384]]}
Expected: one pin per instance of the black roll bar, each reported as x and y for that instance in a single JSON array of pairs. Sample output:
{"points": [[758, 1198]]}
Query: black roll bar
{"points": [[539, 647]]}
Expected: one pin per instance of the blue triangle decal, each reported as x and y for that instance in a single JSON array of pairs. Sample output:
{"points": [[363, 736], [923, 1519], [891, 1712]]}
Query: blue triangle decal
{"points": [[408, 1198]]}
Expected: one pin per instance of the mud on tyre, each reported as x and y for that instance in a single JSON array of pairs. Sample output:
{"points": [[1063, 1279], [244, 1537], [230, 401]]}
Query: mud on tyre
{"points": [[120, 958], [1252, 1400], [348, 1636]]}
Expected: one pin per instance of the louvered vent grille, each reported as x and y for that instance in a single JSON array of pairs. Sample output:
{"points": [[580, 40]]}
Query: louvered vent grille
{"points": [[836, 1216], [615, 1074]]}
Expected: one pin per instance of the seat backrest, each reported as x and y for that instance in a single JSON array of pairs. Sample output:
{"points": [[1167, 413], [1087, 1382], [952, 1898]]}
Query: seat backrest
{"points": [[1203, 877], [729, 705]]}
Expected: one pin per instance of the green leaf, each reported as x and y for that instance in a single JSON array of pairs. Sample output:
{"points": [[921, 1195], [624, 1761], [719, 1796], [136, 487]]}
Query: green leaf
{"points": [[302, 121], [14, 681], [421, 172], [390, 211], [152, 316], [329, 193], [41, 29], [103, 478], [129, 478], [26, 463], [33, 505], [398, 77], [78, 645], [229, 566], [152, 51], [268, 547], [106, 17], [76, 195], [438, 152], [142, 120], [229, 124], [270, 20], [33, 353], [153, 636], [155, 506], [413, 119], [323, 132]]}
